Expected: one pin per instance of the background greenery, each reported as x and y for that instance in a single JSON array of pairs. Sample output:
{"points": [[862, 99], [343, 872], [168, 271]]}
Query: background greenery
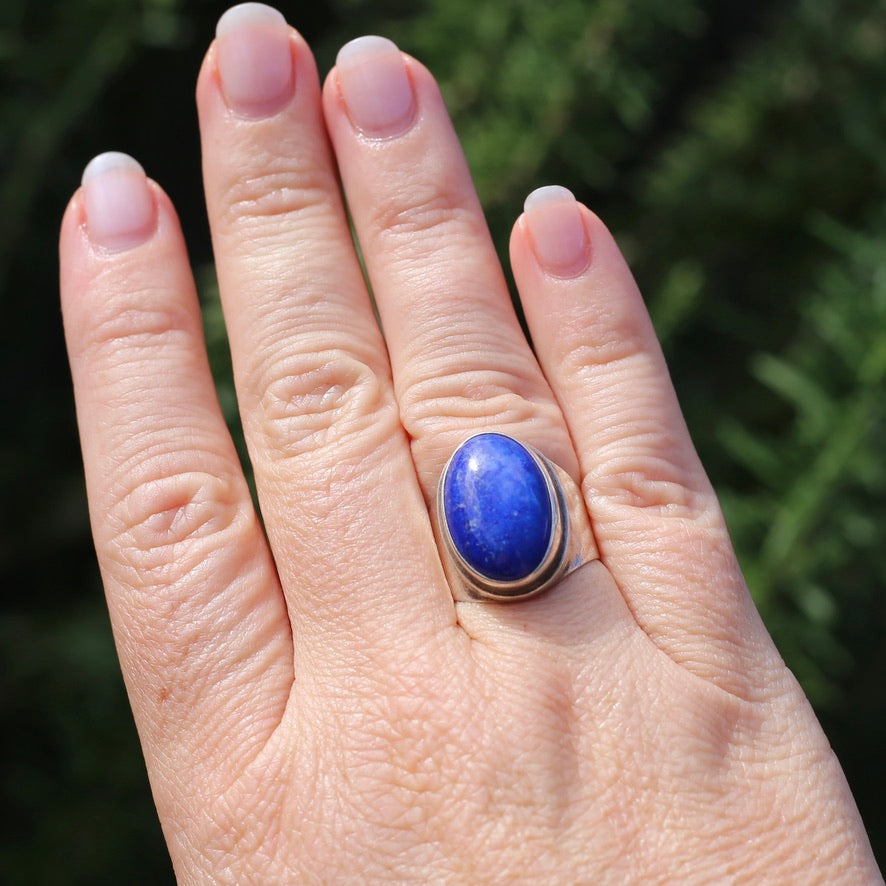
{"points": [[738, 150]]}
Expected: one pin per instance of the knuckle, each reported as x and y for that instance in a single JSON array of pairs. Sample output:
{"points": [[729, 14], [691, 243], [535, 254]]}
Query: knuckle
{"points": [[278, 191], [134, 320], [463, 396], [427, 216], [616, 350], [441, 411], [649, 482], [311, 402], [169, 524], [614, 333]]}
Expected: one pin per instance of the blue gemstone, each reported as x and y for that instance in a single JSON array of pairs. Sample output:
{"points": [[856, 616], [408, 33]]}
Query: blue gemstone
{"points": [[497, 507]]}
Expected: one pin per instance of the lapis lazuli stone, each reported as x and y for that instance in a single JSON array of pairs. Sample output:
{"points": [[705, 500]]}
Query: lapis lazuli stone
{"points": [[497, 507]]}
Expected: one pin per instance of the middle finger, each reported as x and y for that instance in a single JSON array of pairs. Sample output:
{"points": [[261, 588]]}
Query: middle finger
{"points": [[313, 380]]}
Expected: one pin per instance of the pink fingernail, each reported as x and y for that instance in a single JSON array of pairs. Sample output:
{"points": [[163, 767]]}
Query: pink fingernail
{"points": [[375, 86], [120, 209], [557, 230], [254, 59]]}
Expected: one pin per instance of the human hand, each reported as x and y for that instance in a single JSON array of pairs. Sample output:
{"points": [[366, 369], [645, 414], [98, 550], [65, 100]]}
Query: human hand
{"points": [[314, 706]]}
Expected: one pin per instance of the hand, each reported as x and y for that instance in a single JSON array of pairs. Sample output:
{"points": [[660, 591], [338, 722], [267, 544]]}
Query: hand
{"points": [[313, 706]]}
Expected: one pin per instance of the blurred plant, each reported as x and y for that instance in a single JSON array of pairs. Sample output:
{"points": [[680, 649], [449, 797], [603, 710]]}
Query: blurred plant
{"points": [[809, 522], [746, 224], [58, 58]]}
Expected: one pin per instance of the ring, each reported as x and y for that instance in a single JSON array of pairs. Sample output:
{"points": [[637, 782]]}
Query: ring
{"points": [[508, 526]]}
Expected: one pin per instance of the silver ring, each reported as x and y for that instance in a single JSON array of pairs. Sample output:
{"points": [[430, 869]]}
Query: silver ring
{"points": [[508, 527]]}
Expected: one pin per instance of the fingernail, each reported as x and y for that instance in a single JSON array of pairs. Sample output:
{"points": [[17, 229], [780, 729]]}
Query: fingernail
{"points": [[557, 230], [254, 59], [120, 208], [375, 86]]}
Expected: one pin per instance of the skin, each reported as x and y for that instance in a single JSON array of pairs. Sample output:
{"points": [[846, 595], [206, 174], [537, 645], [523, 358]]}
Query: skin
{"points": [[312, 705]]}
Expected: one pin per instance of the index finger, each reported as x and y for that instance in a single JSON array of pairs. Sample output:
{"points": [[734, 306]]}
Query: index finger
{"points": [[191, 589]]}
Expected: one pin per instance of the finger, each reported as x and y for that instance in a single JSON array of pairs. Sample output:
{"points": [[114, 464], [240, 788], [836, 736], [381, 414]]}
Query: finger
{"points": [[198, 616], [655, 516], [460, 360], [345, 519]]}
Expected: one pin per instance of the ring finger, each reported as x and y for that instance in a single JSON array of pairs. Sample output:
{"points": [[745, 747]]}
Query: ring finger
{"points": [[461, 363]]}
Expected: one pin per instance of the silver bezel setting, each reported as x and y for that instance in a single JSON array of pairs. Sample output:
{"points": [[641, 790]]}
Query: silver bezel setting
{"points": [[553, 565]]}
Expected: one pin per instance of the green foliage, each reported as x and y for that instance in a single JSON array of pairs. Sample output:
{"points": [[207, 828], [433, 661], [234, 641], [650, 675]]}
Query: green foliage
{"points": [[737, 150], [59, 56], [809, 524], [748, 214], [544, 91]]}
